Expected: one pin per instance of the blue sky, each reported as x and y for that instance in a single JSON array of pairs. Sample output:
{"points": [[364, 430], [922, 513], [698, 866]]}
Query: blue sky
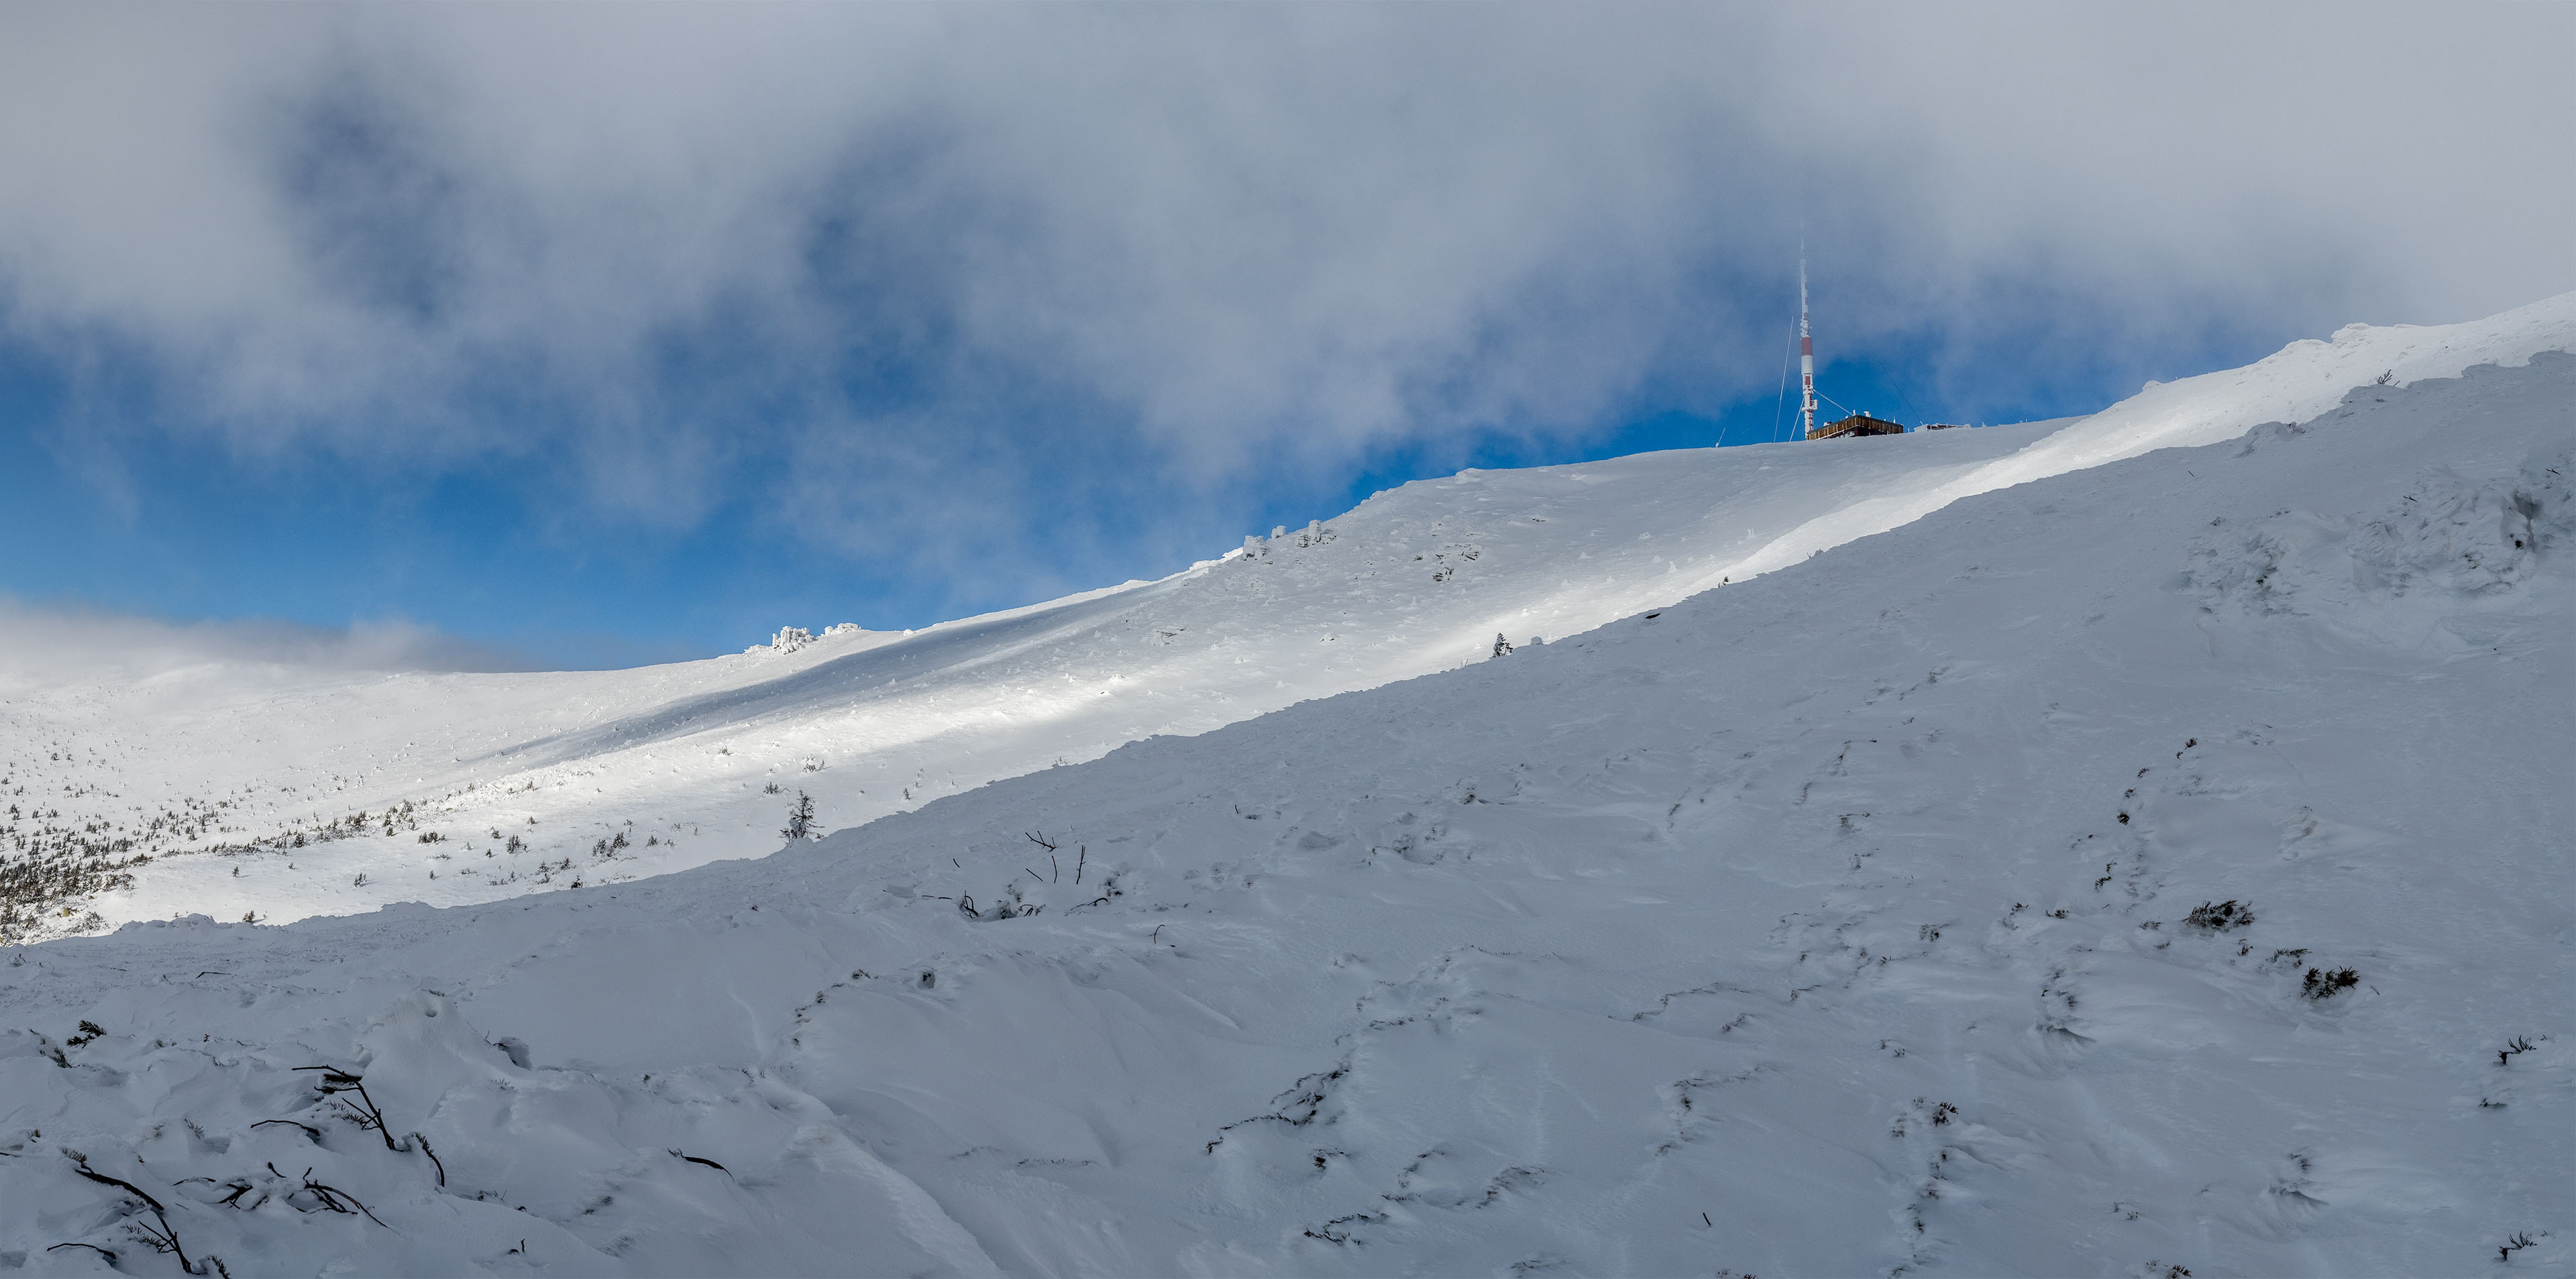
{"points": [[605, 336], [190, 529]]}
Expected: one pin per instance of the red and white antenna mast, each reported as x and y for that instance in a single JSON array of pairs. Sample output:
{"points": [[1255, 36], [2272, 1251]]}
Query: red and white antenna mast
{"points": [[1806, 355]]}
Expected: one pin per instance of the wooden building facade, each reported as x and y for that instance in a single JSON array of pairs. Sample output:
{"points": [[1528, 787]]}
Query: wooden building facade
{"points": [[1856, 424]]}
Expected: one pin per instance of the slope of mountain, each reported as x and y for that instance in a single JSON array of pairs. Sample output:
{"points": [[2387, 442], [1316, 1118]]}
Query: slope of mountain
{"points": [[2151, 869], [317, 790]]}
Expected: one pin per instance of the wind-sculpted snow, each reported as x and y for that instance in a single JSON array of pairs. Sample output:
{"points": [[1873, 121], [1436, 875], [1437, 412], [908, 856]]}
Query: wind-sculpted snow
{"points": [[2158, 869], [316, 789], [2298, 384]]}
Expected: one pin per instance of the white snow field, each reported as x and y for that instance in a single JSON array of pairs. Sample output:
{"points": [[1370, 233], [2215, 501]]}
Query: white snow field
{"points": [[2159, 866], [316, 788]]}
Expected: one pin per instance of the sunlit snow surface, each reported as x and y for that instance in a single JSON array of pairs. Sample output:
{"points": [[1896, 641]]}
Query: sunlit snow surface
{"points": [[1833, 922], [679, 759]]}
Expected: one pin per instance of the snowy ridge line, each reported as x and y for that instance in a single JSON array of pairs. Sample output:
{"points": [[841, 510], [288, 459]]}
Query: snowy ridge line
{"points": [[533, 782], [2146, 870], [2300, 383]]}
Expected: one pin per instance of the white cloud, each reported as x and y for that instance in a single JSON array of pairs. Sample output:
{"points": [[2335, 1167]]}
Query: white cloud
{"points": [[42, 647], [1241, 233]]}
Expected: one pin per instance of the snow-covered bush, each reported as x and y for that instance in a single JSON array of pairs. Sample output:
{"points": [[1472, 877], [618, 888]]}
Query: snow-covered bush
{"points": [[789, 639]]}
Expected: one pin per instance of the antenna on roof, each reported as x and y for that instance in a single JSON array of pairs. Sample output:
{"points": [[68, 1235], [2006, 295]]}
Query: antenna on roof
{"points": [[1806, 355]]}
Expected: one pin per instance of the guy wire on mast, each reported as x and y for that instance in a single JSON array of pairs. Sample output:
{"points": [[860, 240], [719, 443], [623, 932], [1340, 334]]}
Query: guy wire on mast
{"points": [[1806, 355], [1780, 403]]}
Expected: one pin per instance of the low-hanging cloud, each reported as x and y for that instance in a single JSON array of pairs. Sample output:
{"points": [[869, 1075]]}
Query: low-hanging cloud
{"points": [[884, 262], [49, 646]]}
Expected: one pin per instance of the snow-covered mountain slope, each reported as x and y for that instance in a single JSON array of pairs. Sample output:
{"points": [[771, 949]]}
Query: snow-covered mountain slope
{"points": [[322, 785], [675, 765], [2159, 868]]}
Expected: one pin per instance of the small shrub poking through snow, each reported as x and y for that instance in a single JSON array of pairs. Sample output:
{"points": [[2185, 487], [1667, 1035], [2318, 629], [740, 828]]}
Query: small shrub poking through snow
{"points": [[800, 819], [2321, 984], [2221, 917]]}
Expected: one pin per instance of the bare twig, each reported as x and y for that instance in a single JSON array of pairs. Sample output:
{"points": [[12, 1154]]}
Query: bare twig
{"points": [[233, 1200], [1080, 857], [336, 1081], [130, 1187], [708, 1162], [111, 1257], [1039, 839], [433, 1159], [309, 1130], [330, 1196], [165, 1237]]}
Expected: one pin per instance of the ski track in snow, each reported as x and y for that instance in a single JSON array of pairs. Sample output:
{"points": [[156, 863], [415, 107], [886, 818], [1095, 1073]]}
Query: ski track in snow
{"points": [[1840, 921]]}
